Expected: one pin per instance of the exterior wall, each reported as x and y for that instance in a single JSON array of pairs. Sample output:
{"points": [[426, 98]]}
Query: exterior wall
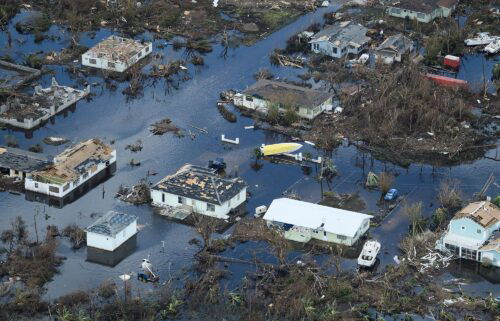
{"points": [[492, 256], [327, 48], [466, 227], [108, 243], [44, 188], [200, 207], [14, 173], [119, 66], [413, 15]]}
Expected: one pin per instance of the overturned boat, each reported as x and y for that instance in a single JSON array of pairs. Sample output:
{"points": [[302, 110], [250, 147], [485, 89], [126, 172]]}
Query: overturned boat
{"points": [[368, 254], [276, 149], [482, 38], [493, 47]]}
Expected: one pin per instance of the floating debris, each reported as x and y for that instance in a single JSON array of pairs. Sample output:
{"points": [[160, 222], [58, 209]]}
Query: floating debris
{"points": [[229, 116], [55, 140], [163, 126]]}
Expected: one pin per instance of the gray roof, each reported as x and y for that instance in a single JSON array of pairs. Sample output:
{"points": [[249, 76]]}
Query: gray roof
{"points": [[284, 93], [398, 43], [202, 184], [424, 6], [22, 160], [111, 223], [343, 34]]}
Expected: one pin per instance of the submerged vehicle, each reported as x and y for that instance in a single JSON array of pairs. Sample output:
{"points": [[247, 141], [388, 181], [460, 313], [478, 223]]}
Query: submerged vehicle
{"points": [[276, 149], [218, 164], [391, 195], [493, 47], [368, 254], [482, 38]]}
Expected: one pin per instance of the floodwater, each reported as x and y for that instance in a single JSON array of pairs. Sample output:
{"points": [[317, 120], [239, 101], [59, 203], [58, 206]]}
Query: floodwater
{"points": [[111, 116]]}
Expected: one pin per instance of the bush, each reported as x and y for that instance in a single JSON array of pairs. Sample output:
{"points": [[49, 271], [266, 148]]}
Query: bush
{"points": [[385, 182], [76, 235], [75, 298], [449, 195], [107, 289]]}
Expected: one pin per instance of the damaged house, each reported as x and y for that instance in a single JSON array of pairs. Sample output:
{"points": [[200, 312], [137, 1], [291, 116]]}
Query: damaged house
{"points": [[27, 112], [393, 49], [116, 53], [308, 103], [200, 190], [423, 10], [473, 233], [302, 221], [75, 171], [16, 162], [340, 39]]}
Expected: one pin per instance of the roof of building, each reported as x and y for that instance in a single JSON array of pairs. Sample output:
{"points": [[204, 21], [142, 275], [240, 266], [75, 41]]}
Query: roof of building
{"points": [[22, 160], [202, 184], [398, 43], [343, 34], [493, 243], [75, 161], [484, 213], [287, 94], [111, 223], [313, 216], [117, 49], [424, 6]]}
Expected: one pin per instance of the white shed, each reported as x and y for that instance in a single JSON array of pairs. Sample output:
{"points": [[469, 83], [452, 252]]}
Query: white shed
{"points": [[301, 221], [111, 231]]}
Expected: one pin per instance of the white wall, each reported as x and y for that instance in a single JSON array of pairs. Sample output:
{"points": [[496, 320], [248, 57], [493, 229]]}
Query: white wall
{"points": [[109, 243]]}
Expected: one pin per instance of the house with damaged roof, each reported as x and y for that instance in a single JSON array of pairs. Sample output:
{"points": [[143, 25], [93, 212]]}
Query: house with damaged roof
{"points": [[473, 233], [15, 162], [74, 172], [201, 191], [423, 10], [393, 48], [261, 96], [340, 39]]}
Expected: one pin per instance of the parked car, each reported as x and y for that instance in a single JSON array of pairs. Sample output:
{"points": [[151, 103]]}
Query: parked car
{"points": [[391, 195], [217, 164]]}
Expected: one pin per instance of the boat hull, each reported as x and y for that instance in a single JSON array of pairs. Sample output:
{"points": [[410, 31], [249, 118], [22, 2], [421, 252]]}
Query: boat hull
{"points": [[276, 149]]}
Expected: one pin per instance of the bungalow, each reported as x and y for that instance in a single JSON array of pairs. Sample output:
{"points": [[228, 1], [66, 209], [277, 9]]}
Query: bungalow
{"points": [[424, 10], [340, 40], [74, 170], [473, 233], [16, 162], [301, 221], [116, 53], [200, 190], [393, 48], [308, 103]]}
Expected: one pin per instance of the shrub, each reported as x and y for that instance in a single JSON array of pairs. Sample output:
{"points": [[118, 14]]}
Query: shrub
{"points": [[385, 182], [78, 297]]}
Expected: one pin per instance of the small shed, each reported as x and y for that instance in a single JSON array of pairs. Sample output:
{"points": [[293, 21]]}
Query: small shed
{"points": [[302, 221], [111, 231], [393, 49]]}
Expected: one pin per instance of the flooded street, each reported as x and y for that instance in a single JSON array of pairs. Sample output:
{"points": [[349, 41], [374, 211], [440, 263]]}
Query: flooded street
{"points": [[111, 116]]}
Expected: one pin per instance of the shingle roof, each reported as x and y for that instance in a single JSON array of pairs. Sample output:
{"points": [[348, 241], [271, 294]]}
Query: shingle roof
{"points": [[111, 223], [21, 160], [343, 34], [202, 184], [484, 213], [283, 93], [399, 43]]}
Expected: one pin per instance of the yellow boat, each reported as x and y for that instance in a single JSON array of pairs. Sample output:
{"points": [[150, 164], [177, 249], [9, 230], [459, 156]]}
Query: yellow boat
{"points": [[275, 149]]}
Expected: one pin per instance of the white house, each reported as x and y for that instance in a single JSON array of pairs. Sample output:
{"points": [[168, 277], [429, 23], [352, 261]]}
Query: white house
{"points": [[473, 233], [116, 53], [201, 190], [308, 103], [340, 40], [423, 10], [85, 162], [16, 162], [303, 221], [111, 231], [393, 49]]}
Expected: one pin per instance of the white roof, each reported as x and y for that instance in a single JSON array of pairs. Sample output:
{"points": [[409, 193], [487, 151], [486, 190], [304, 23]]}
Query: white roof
{"points": [[310, 215]]}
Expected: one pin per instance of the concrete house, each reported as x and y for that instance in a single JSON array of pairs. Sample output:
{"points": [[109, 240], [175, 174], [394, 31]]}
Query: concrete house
{"points": [[303, 221], [340, 39], [393, 49], [16, 162], [200, 190], [473, 233], [111, 238], [423, 10], [308, 103], [74, 171], [116, 53]]}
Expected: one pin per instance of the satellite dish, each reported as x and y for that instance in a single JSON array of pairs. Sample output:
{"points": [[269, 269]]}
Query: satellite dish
{"points": [[125, 277]]}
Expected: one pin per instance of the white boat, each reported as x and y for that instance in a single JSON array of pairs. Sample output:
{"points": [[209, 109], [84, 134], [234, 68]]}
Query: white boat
{"points": [[493, 47], [483, 38], [369, 253]]}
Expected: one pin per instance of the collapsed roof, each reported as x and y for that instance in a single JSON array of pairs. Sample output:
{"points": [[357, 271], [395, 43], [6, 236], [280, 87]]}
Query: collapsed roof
{"points": [[397, 43], [202, 184], [343, 34], [21, 160], [485, 214], [117, 49]]}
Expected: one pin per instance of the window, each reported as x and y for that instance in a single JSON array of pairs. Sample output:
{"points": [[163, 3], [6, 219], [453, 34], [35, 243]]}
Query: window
{"points": [[85, 175], [163, 197], [469, 254], [316, 46], [238, 197], [421, 15], [334, 50], [54, 189], [324, 233], [16, 172], [210, 207], [36, 185], [92, 61], [111, 64], [193, 202], [478, 231], [139, 54], [65, 187], [453, 249], [248, 98], [147, 49], [124, 233], [463, 227], [107, 163], [229, 203], [396, 10], [341, 237], [180, 200]]}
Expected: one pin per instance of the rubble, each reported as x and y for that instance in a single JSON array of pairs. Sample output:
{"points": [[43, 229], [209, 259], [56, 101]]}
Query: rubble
{"points": [[137, 194], [163, 126]]}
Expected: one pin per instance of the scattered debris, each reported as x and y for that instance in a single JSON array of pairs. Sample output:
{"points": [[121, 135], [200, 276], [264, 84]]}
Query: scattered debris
{"points": [[163, 126], [135, 147], [137, 194], [226, 140]]}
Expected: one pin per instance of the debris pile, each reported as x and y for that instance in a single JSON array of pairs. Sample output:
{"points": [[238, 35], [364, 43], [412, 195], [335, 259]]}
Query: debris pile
{"points": [[135, 147], [137, 194], [163, 126]]}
